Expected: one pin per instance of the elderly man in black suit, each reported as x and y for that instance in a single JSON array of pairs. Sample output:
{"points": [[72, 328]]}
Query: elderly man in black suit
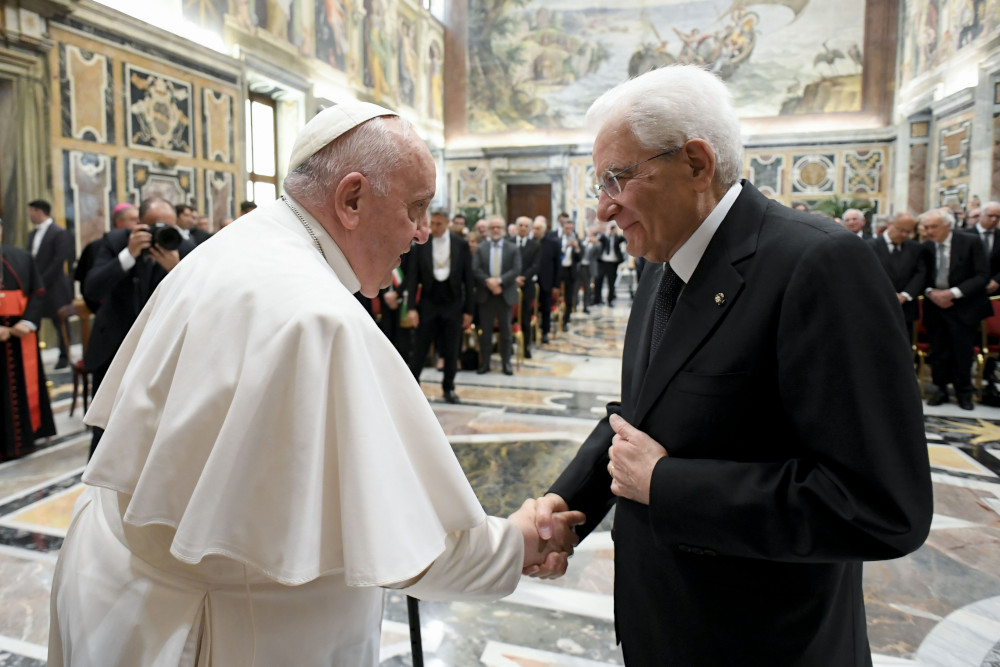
{"points": [[770, 436], [984, 221], [530, 250], [127, 268], [51, 247], [955, 302], [442, 270], [903, 261], [496, 266]]}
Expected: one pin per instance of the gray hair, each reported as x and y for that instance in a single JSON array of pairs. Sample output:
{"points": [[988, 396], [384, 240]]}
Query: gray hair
{"points": [[947, 217], [370, 148], [669, 106]]}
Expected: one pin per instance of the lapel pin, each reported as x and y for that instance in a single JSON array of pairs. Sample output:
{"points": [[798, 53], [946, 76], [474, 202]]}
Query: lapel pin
{"points": [[720, 299]]}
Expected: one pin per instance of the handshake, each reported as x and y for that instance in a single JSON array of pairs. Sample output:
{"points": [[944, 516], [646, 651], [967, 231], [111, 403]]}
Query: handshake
{"points": [[547, 526]]}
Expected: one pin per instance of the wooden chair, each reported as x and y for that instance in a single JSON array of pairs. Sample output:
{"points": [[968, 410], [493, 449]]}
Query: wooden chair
{"points": [[920, 345], [517, 330], [81, 378]]}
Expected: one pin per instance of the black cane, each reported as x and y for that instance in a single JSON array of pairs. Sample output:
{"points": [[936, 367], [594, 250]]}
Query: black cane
{"points": [[416, 646]]}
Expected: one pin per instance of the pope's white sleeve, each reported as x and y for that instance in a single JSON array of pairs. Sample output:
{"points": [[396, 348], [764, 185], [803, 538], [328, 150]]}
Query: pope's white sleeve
{"points": [[481, 563]]}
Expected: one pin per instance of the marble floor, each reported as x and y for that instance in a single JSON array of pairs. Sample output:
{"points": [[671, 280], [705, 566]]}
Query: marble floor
{"points": [[937, 607]]}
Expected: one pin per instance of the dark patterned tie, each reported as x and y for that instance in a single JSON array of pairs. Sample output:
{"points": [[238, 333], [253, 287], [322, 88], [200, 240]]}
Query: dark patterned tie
{"points": [[666, 297]]}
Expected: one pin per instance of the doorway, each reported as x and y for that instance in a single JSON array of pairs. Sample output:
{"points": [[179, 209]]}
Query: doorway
{"points": [[530, 200]]}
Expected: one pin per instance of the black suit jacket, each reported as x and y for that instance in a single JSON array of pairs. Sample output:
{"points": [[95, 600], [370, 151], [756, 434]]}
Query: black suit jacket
{"points": [[614, 241], [530, 257], [993, 256], [200, 236], [420, 271], [906, 269], [55, 250], [969, 272], [796, 445], [548, 261], [122, 295]]}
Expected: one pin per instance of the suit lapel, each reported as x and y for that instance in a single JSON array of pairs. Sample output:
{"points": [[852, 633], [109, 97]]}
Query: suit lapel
{"points": [[698, 311]]}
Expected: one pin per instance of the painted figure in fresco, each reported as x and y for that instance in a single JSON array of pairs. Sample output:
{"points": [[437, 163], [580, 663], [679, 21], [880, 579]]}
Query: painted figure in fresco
{"points": [[331, 33], [378, 49], [435, 81], [407, 61]]}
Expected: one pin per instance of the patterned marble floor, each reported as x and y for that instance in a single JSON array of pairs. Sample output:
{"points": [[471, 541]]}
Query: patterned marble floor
{"points": [[937, 607]]}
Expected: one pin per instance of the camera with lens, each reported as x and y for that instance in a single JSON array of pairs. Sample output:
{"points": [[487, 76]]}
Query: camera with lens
{"points": [[165, 236]]}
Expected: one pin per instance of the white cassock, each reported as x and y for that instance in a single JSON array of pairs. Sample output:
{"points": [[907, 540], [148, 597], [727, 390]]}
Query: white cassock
{"points": [[268, 462]]}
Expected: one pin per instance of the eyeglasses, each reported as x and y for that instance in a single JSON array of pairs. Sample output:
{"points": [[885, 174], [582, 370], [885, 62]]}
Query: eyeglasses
{"points": [[609, 181]]}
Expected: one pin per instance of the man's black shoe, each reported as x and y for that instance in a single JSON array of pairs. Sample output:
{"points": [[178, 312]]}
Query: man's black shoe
{"points": [[483, 369], [545, 339], [507, 370], [965, 402], [451, 397], [62, 363], [527, 353], [937, 398]]}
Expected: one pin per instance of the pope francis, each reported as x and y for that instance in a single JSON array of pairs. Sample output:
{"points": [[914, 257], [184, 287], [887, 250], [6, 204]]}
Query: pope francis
{"points": [[268, 463]]}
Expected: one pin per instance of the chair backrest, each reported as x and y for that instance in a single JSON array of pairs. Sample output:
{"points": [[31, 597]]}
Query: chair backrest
{"points": [[79, 310], [991, 325]]}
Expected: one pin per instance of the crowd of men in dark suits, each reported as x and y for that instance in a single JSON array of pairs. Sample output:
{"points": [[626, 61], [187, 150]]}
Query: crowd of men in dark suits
{"points": [[955, 270], [467, 280]]}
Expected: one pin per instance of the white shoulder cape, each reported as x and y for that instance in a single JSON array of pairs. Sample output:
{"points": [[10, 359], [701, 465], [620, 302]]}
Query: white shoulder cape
{"points": [[256, 408]]}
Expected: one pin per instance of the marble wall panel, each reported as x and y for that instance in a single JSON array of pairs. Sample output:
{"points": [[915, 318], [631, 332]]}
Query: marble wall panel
{"points": [[954, 150], [814, 173], [953, 195], [916, 200], [217, 125], [86, 94], [150, 179], [766, 172], [158, 111], [90, 193], [863, 171], [473, 185], [219, 195]]}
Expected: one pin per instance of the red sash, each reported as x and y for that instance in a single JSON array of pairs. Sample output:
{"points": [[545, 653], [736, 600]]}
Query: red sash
{"points": [[13, 303]]}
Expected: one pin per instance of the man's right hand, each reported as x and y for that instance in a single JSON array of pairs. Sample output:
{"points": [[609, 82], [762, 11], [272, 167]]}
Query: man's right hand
{"points": [[548, 510], [139, 240], [413, 317]]}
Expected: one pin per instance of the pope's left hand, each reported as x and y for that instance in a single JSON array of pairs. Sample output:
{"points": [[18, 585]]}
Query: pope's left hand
{"points": [[633, 456]]}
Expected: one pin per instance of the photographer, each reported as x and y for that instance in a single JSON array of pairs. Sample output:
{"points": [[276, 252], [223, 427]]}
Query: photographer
{"points": [[130, 263]]}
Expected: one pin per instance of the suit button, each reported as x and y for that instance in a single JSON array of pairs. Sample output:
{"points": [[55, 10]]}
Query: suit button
{"points": [[697, 552], [685, 548], [709, 552]]}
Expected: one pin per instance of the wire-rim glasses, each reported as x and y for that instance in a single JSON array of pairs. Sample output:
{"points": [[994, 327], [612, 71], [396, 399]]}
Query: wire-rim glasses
{"points": [[609, 181]]}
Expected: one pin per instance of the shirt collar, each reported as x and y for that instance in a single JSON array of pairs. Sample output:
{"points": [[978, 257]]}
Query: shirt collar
{"points": [[982, 230], [443, 240], [687, 257], [334, 256]]}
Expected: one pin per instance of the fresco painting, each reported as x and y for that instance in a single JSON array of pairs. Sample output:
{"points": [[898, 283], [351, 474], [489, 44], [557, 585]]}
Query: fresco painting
{"points": [[936, 30], [540, 63], [331, 33]]}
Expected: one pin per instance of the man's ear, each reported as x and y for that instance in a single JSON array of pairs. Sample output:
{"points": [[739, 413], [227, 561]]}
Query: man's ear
{"points": [[701, 161], [349, 197]]}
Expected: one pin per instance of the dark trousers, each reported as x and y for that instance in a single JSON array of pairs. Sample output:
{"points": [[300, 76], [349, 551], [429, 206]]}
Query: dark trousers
{"points": [[96, 378], [545, 308], [606, 271], [586, 280], [951, 350], [567, 277], [527, 310], [63, 345], [438, 322], [495, 308]]}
